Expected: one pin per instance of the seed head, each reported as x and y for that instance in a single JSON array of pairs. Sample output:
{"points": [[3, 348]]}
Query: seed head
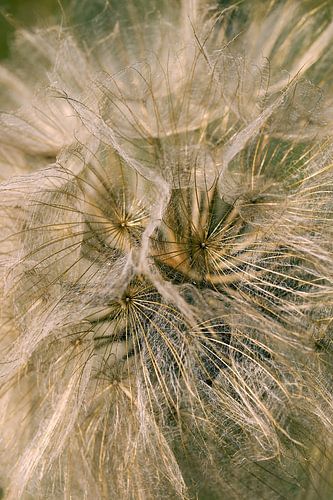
{"points": [[166, 255]]}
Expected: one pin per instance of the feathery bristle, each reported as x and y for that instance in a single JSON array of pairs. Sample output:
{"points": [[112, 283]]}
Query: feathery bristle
{"points": [[166, 255]]}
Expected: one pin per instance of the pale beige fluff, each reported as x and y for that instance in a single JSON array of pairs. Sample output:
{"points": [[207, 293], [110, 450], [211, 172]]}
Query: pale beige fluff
{"points": [[166, 255]]}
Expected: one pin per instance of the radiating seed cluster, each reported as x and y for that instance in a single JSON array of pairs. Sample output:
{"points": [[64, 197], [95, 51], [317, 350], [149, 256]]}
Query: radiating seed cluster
{"points": [[166, 261]]}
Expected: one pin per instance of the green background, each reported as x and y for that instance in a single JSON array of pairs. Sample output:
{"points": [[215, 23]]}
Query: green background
{"points": [[16, 13]]}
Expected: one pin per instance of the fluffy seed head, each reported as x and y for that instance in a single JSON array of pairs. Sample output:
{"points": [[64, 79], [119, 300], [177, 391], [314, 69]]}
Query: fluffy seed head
{"points": [[166, 257]]}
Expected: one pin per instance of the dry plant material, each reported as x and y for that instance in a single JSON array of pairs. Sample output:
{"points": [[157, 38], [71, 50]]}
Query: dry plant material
{"points": [[166, 254]]}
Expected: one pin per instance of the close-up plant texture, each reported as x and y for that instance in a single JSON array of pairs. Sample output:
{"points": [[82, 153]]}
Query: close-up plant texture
{"points": [[166, 266]]}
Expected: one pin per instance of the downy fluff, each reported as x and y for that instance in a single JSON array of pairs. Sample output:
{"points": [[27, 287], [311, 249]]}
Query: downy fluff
{"points": [[166, 253]]}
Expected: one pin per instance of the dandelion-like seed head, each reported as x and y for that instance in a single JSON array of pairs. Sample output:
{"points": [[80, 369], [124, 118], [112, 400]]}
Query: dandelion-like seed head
{"points": [[165, 225]]}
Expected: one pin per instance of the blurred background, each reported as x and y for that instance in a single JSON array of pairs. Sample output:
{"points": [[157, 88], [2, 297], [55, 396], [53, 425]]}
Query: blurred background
{"points": [[15, 13]]}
